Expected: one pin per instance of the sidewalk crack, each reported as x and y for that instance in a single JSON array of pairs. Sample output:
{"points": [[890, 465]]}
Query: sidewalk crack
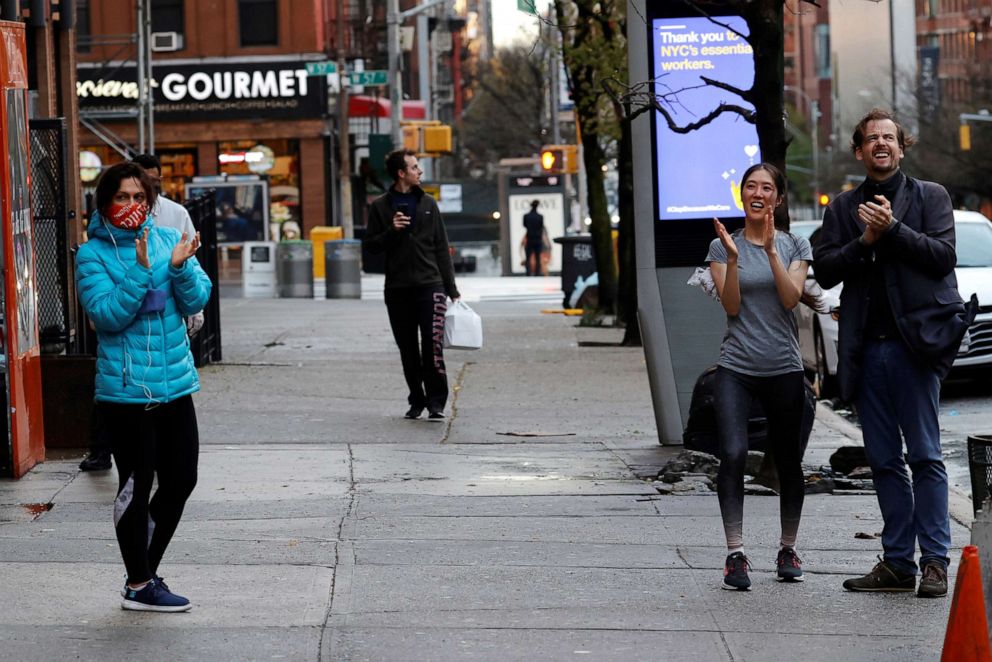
{"points": [[349, 511], [454, 400]]}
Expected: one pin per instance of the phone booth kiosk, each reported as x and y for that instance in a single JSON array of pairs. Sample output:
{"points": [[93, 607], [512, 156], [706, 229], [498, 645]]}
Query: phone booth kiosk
{"points": [[22, 439]]}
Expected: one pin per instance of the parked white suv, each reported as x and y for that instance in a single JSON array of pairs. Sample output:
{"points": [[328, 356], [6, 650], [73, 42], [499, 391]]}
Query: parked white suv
{"points": [[818, 331]]}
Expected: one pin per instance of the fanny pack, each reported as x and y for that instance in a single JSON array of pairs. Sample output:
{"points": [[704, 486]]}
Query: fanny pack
{"points": [[154, 301]]}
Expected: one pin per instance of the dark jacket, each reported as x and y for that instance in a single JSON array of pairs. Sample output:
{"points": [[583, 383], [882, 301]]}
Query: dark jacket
{"points": [[917, 261], [534, 223], [417, 256]]}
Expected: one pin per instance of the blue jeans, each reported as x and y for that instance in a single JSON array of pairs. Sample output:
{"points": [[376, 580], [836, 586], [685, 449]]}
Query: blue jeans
{"points": [[899, 393]]}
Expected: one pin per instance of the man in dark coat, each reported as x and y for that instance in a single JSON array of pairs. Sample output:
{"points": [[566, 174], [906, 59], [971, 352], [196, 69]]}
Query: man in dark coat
{"points": [[406, 225], [891, 242], [534, 224]]}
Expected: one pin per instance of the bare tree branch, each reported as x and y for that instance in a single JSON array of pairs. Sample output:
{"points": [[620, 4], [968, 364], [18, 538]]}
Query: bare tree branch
{"points": [[744, 94]]}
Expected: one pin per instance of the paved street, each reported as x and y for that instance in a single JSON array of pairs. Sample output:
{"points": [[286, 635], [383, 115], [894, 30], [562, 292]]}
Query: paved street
{"points": [[326, 527]]}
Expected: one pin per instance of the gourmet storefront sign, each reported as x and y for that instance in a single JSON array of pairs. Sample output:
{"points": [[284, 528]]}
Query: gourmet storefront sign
{"points": [[227, 90]]}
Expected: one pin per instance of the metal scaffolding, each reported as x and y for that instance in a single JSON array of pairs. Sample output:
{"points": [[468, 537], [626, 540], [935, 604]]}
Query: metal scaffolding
{"points": [[139, 45]]}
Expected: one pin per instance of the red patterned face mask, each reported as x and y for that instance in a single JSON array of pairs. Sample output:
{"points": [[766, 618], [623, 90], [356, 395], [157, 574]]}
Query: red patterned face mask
{"points": [[128, 217]]}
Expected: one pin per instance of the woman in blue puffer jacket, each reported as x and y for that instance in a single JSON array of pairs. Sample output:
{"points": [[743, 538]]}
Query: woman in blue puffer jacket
{"points": [[136, 282]]}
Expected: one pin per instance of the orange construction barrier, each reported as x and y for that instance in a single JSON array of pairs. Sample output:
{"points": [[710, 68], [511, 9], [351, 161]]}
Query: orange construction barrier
{"points": [[967, 638]]}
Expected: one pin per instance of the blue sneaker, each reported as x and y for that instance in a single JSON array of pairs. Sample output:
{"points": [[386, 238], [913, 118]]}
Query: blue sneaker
{"points": [[160, 581], [154, 597]]}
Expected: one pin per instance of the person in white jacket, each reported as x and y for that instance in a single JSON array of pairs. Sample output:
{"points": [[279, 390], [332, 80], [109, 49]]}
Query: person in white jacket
{"points": [[170, 214]]}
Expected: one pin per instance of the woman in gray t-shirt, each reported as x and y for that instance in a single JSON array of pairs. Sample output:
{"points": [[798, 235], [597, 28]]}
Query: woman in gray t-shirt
{"points": [[759, 274]]}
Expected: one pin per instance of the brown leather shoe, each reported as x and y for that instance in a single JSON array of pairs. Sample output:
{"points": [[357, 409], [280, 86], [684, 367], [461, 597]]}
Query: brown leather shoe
{"points": [[883, 577], [933, 584]]}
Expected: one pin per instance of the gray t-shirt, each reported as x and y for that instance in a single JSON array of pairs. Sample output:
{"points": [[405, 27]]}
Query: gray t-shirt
{"points": [[762, 340]]}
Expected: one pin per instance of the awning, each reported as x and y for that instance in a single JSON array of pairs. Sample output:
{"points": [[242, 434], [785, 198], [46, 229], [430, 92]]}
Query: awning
{"points": [[366, 106]]}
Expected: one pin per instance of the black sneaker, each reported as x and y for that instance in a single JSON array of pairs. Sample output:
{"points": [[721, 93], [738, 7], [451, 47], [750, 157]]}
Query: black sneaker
{"points": [[154, 597], [933, 584], [413, 412], [735, 573], [436, 415], [789, 566], [883, 577], [99, 461]]}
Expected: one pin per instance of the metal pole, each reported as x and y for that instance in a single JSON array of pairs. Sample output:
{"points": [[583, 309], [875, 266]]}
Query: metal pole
{"points": [[149, 79], [344, 142], [814, 119], [142, 90], [395, 74], [555, 84], [424, 77]]}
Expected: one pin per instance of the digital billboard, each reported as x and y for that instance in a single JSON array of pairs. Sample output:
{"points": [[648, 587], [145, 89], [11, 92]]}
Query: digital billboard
{"points": [[698, 173]]}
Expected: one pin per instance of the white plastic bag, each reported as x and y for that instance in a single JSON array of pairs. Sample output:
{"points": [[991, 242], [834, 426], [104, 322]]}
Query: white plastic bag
{"points": [[462, 327]]}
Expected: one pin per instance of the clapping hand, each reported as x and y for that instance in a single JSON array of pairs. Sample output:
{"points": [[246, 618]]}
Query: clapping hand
{"points": [[768, 236], [726, 240], [184, 250], [877, 218], [141, 249]]}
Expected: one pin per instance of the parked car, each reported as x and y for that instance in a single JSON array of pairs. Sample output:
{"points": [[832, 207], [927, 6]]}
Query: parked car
{"points": [[818, 331]]}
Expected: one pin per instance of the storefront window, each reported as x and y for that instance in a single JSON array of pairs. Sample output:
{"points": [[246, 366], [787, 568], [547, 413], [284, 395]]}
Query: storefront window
{"points": [[279, 162]]}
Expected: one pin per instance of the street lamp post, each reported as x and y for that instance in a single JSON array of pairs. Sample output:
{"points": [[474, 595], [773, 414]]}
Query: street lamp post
{"points": [[814, 120], [394, 19]]}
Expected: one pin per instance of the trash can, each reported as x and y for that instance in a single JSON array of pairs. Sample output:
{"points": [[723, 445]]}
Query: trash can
{"points": [[319, 236], [258, 269], [294, 268], [343, 269], [980, 468], [577, 259]]}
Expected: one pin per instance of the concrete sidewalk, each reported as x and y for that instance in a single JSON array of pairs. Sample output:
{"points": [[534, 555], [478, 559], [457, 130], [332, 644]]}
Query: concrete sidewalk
{"points": [[326, 527]]}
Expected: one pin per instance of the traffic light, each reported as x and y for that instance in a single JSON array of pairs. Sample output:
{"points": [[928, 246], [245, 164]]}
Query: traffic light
{"points": [[411, 138], [426, 138], [437, 139], [553, 160], [964, 135], [824, 199], [559, 159]]}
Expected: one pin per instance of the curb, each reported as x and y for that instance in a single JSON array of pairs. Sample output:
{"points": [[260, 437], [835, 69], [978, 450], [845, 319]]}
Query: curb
{"points": [[958, 502]]}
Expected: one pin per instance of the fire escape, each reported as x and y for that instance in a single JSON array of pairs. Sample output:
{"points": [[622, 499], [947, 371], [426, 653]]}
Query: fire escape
{"points": [[130, 48]]}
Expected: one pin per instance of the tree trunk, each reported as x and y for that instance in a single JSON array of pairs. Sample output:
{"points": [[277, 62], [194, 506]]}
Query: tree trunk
{"points": [[602, 234], [627, 295], [765, 27]]}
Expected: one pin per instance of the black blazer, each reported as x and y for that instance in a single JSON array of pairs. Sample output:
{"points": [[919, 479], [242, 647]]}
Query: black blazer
{"points": [[919, 276]]}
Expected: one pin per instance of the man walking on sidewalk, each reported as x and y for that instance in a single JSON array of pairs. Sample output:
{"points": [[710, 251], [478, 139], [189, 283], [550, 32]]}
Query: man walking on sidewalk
{"points": [[406, 225], [891, 242], [534, 224]]}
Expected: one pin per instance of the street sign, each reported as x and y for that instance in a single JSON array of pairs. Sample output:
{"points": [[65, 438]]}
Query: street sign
{"points": [[371, 77], [320, 68]]}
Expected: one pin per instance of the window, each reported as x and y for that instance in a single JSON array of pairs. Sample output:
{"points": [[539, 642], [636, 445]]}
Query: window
{"points": [[258, 22], [167, 16], [823, 50]]}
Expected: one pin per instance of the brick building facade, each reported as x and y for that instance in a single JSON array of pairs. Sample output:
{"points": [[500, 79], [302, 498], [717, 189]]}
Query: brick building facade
{"points": [[232, 98]]}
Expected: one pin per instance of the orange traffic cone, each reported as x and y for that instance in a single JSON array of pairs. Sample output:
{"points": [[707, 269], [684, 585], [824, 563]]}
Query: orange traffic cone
{"points": [[967, 638]]}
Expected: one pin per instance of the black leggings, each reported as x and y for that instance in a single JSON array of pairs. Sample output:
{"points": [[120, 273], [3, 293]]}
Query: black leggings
{"points": [[782, 397], [163, 440], [420, 309]]}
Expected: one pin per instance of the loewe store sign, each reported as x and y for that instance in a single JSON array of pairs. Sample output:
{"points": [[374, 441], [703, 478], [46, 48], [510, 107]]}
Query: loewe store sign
{"points": [[227, 90]]}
